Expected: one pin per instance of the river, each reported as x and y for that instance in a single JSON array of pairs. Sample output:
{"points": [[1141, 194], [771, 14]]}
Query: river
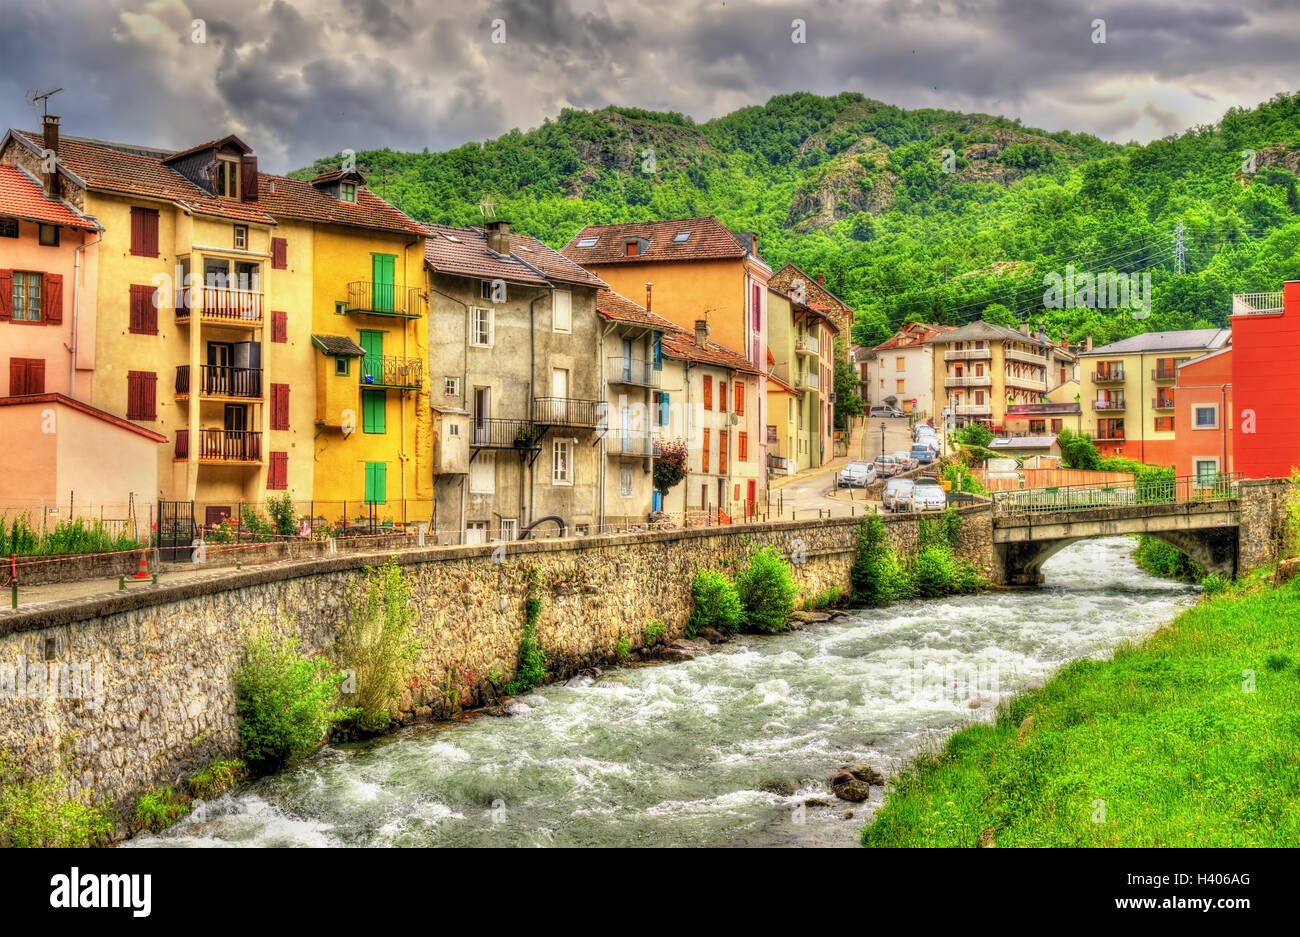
{"points": [[695, 753]]}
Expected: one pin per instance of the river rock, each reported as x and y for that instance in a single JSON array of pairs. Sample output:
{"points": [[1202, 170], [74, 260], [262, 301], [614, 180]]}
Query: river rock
{"points": [[816, 802], [514, 708], [864, 773], [712, 635], [809, 616], [853, 790], [1286, 571], [784, 788], [847, 815]]}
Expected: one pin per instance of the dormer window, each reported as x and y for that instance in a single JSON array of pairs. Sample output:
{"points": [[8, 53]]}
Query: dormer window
{"points": [[348, 192], [633, 248], [227, 182]]}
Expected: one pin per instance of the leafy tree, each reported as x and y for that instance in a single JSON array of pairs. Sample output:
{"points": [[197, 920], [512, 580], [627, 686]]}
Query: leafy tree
{"points": [[1078, 451], [848, 398], [669, 465], [767, 590], [714, 604], [975, 434]]}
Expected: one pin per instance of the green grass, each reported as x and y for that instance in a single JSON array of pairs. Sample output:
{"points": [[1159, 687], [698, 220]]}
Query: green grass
{"points": [[1164, 734]]}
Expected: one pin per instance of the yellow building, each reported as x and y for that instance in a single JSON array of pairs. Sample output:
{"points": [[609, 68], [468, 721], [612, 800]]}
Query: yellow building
{"points": [[207, 298], [801, 341]]}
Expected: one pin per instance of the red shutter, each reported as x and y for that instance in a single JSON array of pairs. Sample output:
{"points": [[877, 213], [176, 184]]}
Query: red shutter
{"points": [[248, 179], [277, 478], [279, 326], [740, 397], [6, 294], [35, 375], [17, 377], [279, 406], [144, 313], [708, 393], [141, 395], [279, 254], [52, 299], [144, 232]]}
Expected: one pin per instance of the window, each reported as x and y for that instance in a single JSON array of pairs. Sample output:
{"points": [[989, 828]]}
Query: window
{"points": [[26, 376], [509, 528], [704, 452], [708, 392], [376, 482], [226, 183], [632, 249], [742, 446], [900, 363], [898, 386], [48, 235], [1206, 471], [488, 291], [8, 227], [144, 310], [704, 497], [722, 452], [979, 396], [1164, 424], [561, 462], [279, 406], [348, 192], [451, 387], [144, 232], [241, 237], [342, 366], [141, 395], [625, 481], [1037, 427], [24, 295], [722, 396], [1206, 417], [280, 256], [681, 237], [561, 311], [1058, 425], [483, 474], [756, 303], [662, 413], [588, 242], [740, 397], [277, 477], [279, 326], [373, 411], [979, 370], [480, 326]]}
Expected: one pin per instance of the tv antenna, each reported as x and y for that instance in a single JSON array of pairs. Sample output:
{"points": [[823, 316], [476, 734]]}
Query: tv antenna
{"points": [[42, 99]]}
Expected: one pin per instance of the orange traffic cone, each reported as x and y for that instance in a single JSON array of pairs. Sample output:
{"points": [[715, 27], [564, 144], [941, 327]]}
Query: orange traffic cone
{"points": [[142, 571]]}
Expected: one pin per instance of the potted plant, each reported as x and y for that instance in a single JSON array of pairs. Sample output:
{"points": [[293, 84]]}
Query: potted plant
{"points": [[523, 438]]}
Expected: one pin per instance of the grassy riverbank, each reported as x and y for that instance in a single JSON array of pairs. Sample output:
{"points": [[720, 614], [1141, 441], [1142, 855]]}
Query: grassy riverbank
{"points": [[1191, 738]]}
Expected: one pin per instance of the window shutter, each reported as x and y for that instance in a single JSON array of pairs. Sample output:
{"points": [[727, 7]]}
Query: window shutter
{"points": [[758, 311], [279, 326], [6, 294], [279, 254], [278, 477], [722, 396], [708, 393], [279, 406], [663, 408], [248, 179], [17, 377], [656, 339], [144, 232], [52, 298], [144, 313], [141, 395], [36, 376], [740, 397], [704, 453]]}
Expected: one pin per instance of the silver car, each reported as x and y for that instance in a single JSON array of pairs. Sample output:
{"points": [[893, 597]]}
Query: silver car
{"points": [[928, 495], [856, 475], [904, 458], [898, 494]]}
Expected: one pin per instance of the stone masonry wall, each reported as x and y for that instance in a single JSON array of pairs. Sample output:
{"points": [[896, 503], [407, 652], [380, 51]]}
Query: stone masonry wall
{"points": [[166, 654]]}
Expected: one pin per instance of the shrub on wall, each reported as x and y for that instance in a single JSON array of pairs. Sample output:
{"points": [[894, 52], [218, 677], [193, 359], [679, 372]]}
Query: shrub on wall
{"points": [[878, 576], [531, 670], [767, 591], [36, 812], [714, 604]]}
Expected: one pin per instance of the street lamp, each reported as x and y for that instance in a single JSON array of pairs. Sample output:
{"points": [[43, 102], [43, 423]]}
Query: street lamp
{"points": [[882, 437]]}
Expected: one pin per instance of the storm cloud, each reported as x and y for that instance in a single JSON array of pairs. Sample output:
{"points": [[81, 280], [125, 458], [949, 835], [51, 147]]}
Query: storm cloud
{"points": [[298, 79]]}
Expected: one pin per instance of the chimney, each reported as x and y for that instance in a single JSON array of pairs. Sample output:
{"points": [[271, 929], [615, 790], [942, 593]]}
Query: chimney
{"points": [[821, 279], [753, 243], [49, 171], [1088, 343], [1042, 335], [701, 332], [498, 237], [1024, 328], [648, 287]]}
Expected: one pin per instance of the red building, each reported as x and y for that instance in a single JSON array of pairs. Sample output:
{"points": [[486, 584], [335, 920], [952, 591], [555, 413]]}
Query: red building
{"points": [[1203, 444], [1266, 382]]}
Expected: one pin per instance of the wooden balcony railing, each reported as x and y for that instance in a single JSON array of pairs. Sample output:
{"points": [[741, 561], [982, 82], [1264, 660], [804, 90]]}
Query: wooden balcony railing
{"points": [[969, 380], [1110, 405], [388, 371], [1029, 357], [568, 411], [230, 445], [220, 381], [968, 354], [221, 304], [384, 299]]}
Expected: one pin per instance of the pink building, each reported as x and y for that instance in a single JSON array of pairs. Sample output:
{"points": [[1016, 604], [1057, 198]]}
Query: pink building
{"points": [[47, 305]]}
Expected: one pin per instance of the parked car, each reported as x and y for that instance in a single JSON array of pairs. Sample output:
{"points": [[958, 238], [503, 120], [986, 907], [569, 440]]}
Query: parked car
{"points": [[928, 495], [856, 475], [904, 458], [924, 432], [922, 453], [886, 465], [898, 494], [885, 412]]}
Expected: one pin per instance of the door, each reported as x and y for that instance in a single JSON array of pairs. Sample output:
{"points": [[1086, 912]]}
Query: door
{"points": [[627, 359], [372, 363], [751, 496], [559, 394], [482, 413], [381, 266], [217, 378]]}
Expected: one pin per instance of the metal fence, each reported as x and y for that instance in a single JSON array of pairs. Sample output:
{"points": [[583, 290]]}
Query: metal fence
{"points": [[1223, 487]]}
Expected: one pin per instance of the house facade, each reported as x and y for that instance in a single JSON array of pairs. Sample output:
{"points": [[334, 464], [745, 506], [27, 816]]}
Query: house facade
{"points": [[899, 372], [812, 290], [1203, 413], [981, 369], [1265, 343], [801, 340]]}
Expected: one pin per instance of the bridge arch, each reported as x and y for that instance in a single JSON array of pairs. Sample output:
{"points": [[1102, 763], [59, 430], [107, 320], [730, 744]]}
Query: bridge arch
{"points": [[1214, 550]]}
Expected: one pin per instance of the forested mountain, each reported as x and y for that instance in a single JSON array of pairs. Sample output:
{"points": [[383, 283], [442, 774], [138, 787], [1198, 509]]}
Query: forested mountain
{"points": [[910, 214]]}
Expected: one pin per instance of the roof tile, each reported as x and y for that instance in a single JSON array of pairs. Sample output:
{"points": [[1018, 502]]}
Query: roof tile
{"points": [[708, 239], [22, 197]]}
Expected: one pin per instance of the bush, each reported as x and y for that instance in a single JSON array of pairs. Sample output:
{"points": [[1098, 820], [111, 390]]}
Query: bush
{"points": [[1213, 584], [1078, 451], [975, 434], [878, 576], [72, 536], [654, 630], [715, 604], [157, 810], [934, 571], [284, 702], [1160, 559], [378, 646], [253, 527], [35, 812], [217, 778], [623, 648], [767, 590], [283, 516], [531, 670]]}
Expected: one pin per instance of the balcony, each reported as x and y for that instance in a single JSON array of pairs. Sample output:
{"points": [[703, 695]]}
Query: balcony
{"points": [[1253, 304], [220, 381], [969, 354], [384, 299], [634, 371], [1028, 357], [1163, 374], [489, 433], [387, 371], [978, 380], [807, 345], [1028, 383], [1162, 403], [1110, 406], [629, 443], [567, 411], [1109, 433], [973, 409], [809, 380], [223, 446], [221, 305], [1108, 377]]}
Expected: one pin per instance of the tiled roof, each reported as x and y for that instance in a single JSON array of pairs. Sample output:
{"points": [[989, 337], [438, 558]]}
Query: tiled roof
{"points": [[85, 408], [683, 348], [339, 345], [913, 333], [292, 198], [22, 197], [783, 278], [981, 329], [614, 306], [781, 385], [708, 239], [1166, 341], [530, 262]]}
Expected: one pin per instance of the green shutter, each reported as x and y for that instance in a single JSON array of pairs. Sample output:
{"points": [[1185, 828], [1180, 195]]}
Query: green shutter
{"points": [[372, 363], [376, 482], [663, 408], [372, 411], [656, 339], [381, 266]]}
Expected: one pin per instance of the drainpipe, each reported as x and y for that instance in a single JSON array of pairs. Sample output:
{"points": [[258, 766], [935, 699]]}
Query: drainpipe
{"points": [[76, 308], [464, 379], [402, 456], [532, 376], [1223, 425], [604, 395]]}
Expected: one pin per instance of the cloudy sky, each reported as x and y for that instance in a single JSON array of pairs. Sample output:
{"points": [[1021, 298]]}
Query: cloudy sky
{"points": [[299, 79]]}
